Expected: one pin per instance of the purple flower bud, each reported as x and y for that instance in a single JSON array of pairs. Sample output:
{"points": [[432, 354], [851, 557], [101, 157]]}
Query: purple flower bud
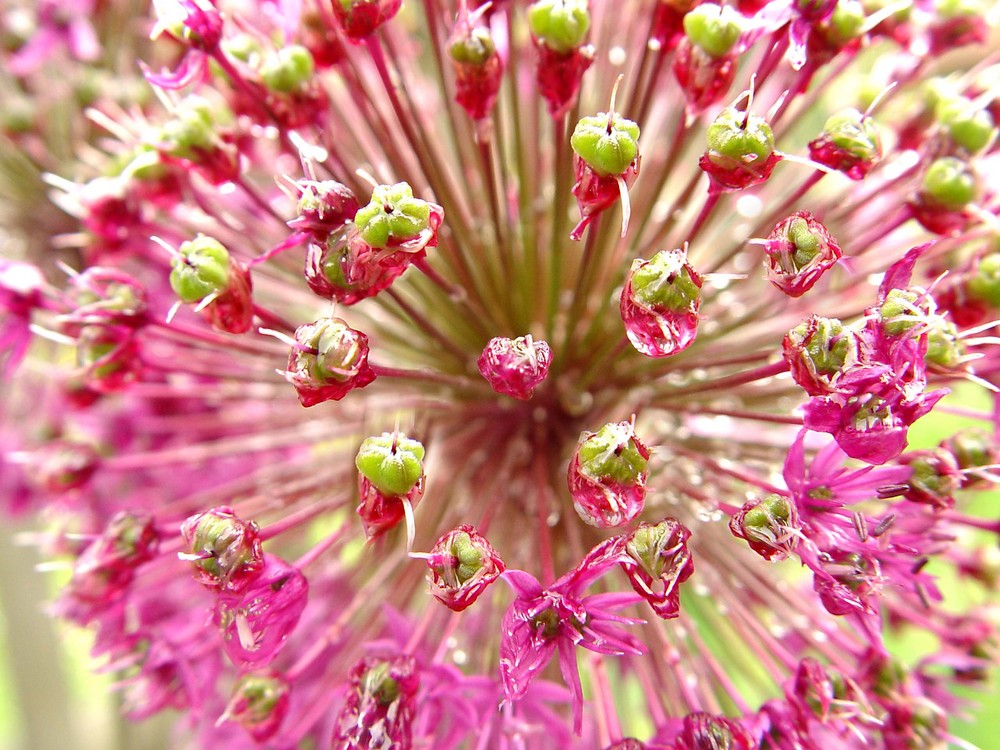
{"points": [[935, 479], [770, 526], [705, 79], [106, 295], [817, 351], [461, 565], [658, 562], [323, 208], [629, 743], [514, 367], [477, 66], [380, 511], [381, 701], [359, 19], [329, 361], [63, 465], [659, 303], [225, 550], [259, 703], [108, 357], [702, 731], [798, 252], [106, 567], [607, 475], [256, 621], [971, 449]]}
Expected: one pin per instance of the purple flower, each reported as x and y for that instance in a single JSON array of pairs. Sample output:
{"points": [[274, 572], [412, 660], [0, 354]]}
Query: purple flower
{"points": [[543, 622]]}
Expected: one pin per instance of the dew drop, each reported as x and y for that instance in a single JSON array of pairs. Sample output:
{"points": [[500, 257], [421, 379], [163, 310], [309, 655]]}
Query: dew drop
{"points": [[617, 56]]}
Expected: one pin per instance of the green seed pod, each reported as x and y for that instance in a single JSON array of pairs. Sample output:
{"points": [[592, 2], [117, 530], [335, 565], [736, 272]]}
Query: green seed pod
{"points": [[736, 139], [613, 453], [852, 132], [828, 346], [950, 184], [970, 127], [473, 48], [985, 284], [902, 310], [713, 28], [200, 268], [288, 69], [607, 142], [392, 214], [944, 348], [191, 130], [391, 462], [337, 351], [665, 282], [561, 25], [243, 47], [846, 22]]}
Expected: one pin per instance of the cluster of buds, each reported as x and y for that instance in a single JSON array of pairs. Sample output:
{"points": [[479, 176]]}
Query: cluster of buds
{"points": [[868, 385], [659, 303], [107, 357], [850, 143], [105, 295], [225, 549], [607, 475], [390, 480], [328, 361], [259, 598], [196, 137], [204, 274], [514, 367], [63, 465], [365, 256]]}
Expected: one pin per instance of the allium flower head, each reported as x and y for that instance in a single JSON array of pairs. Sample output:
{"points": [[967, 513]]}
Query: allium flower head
{"points": [[332, 347]]}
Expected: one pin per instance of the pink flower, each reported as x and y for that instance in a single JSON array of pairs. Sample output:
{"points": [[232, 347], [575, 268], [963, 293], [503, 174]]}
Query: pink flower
{"points": [[543, 621]]}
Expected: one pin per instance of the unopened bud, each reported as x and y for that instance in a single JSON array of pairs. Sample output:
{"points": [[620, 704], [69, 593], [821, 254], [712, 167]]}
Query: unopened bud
{"points": [[259, 703], [713, 28], [561, 25], [461, 565], [225, 549]]}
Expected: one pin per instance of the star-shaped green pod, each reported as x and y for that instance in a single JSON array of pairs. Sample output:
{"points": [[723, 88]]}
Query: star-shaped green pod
{"points": [[392, 462], [200, 268], [607, 142], [561, 25], [392, 216]]}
